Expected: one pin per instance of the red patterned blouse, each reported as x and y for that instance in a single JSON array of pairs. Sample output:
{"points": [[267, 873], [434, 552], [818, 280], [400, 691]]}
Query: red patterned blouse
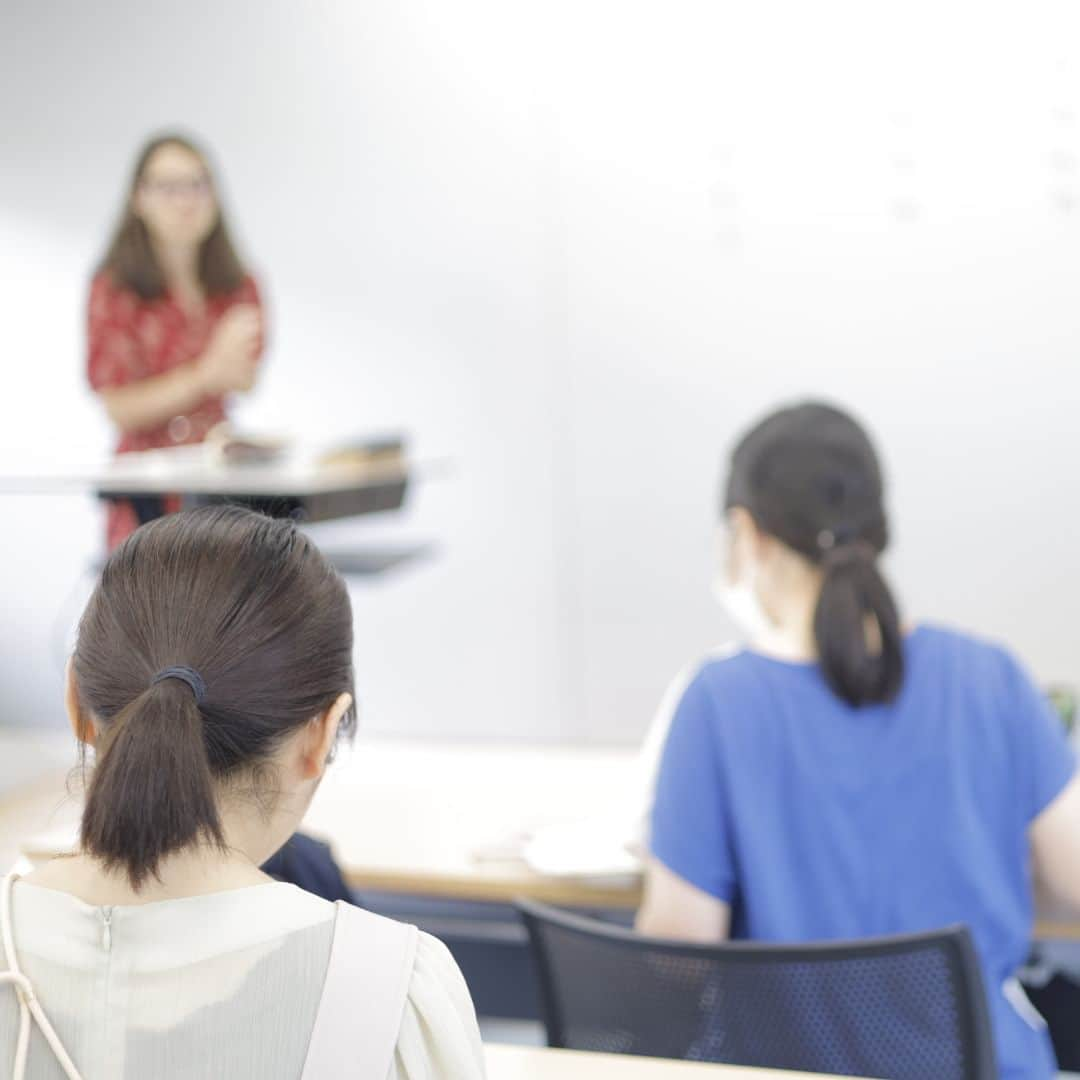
{"points": [[130, 339]]}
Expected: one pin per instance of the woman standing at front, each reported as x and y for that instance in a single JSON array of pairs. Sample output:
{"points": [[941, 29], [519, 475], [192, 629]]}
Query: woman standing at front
{"points": [[175, 323]]}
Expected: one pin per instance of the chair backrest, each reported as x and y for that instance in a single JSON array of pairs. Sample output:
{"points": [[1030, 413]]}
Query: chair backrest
{"points": [[897, 1007]]}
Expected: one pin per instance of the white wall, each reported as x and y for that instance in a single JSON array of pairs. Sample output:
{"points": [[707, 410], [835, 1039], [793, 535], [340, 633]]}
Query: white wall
{"points": [[577, 247], [876, 202]]}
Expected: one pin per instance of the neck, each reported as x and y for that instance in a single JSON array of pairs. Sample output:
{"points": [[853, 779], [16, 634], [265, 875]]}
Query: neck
{"points": [[195, 871], [790, 635], [180, 265]]}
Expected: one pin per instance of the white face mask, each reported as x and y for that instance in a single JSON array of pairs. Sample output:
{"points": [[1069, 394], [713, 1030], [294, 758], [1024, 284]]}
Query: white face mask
{"points": [[741, 604], [739, 599]]}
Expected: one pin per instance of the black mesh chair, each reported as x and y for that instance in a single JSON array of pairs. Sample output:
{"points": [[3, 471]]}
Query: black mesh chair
{"points": [[897, 1007]]}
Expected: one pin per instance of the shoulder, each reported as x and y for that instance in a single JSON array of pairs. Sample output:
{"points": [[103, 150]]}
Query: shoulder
{"points": [[101, 284], [248, 291], [435, 970], [980, 676], [109, 298], [439, 1034], [720, 675], [967, 654], [701, 691], [431, 970]]}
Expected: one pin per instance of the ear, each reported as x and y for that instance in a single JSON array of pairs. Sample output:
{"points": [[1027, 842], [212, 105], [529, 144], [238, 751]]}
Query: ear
{"points": [[740, 522], [747, 541], [320, 736], [81, 723]]}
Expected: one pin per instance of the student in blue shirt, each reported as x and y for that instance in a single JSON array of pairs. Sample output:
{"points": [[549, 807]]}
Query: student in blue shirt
{"points": [[845, 776]]}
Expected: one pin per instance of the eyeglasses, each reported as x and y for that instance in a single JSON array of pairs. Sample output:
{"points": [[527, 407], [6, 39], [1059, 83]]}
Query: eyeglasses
{"points": [[197, 186]]}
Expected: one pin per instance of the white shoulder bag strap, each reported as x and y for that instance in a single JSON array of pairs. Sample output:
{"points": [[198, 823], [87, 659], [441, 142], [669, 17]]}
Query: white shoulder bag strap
{"points": [[363, 999], [29, 1006]]}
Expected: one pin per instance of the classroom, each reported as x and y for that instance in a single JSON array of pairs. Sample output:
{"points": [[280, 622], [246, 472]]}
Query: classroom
{"points": [[539, 540]]}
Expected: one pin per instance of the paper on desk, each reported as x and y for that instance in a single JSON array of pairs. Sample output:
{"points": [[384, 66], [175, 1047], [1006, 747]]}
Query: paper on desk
{"points": [[581, 849], [614, 845]]}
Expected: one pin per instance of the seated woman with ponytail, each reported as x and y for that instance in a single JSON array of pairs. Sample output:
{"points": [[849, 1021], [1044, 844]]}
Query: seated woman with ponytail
{"points": [[844, 776], [213, 680]]}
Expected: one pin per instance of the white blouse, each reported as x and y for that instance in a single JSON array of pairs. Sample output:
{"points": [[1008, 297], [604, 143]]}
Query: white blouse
{"points": [[219, 987]]}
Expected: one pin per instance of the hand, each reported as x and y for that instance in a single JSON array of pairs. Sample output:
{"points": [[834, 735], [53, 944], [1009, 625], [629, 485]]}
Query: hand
{"points": [[229, 361]]}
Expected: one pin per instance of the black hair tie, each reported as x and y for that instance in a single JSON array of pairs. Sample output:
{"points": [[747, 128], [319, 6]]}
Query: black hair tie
{"points": [[186, 675], [838, 537], [841, 548]]}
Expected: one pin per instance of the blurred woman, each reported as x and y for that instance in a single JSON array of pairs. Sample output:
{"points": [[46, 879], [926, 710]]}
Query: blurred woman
{"points": [[845, 775], [213, 680], [175, 323]]}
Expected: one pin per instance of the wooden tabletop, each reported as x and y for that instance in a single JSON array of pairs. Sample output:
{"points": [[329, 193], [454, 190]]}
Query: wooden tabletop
{"points": [[460, 811], [443, 820], [529, 1063]]}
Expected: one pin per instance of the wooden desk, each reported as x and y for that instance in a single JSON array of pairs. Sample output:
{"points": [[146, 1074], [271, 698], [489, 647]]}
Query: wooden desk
{"points": [[528, 1063], [420, 818], [455, 805], [424, 818], [34, 766]]}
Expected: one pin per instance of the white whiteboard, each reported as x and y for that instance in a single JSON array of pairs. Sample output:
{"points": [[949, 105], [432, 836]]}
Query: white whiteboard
{"points": [[578, 247]]}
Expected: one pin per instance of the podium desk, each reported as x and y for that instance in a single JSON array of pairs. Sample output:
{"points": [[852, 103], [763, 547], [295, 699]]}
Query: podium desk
{"points": [[297, 486]]}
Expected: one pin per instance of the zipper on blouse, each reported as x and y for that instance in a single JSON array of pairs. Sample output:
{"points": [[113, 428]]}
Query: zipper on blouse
{"points": [[106, 930]]}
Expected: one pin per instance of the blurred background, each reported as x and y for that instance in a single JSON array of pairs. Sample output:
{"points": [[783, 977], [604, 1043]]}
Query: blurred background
{"points": [[576, 248]]}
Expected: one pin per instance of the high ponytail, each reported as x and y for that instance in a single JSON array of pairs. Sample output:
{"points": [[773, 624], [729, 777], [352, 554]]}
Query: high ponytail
{"points": [[151, 792], [810, 477], [856, 607]]}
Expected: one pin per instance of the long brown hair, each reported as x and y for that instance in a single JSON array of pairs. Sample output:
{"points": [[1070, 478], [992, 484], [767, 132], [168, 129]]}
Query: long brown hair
{"points": [[250, 604], [130, 258]]}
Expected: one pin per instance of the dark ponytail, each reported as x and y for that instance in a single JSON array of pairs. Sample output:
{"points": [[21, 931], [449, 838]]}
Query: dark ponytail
{"points": [[809, 476], [151, 794], [853, 590], [262, 625]]}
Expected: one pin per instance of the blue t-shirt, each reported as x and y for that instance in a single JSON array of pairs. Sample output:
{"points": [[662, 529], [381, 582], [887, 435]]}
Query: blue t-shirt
{"points": [[819, 821]]}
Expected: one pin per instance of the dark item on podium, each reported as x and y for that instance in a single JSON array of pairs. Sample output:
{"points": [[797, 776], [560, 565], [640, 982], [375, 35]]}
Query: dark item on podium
{"points": [[385, 490]]}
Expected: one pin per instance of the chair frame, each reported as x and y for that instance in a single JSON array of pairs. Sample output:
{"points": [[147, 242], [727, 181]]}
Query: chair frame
{"points": [[955, 941]]}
